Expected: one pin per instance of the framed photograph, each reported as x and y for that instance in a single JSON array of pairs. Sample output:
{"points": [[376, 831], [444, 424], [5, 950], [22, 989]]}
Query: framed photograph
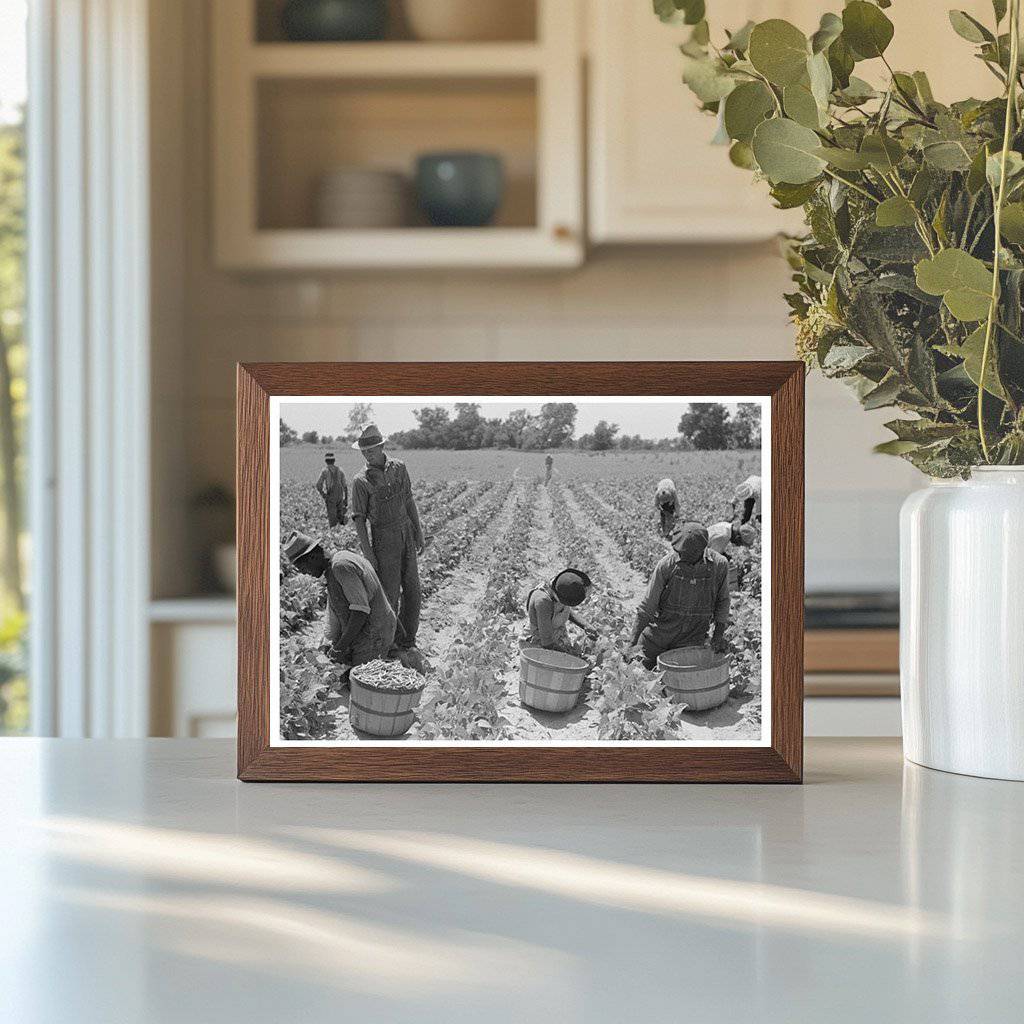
{"points": [[578, 572]]}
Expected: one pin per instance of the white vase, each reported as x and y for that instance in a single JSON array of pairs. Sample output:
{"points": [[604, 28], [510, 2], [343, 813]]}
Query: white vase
{"points": [[962, 624]]}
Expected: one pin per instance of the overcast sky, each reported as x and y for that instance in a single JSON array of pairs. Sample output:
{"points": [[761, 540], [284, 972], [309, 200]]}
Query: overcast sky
{"points": [[654, 419]]}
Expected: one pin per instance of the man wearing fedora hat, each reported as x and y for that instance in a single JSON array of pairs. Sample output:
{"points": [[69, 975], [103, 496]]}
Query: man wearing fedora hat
{"points": [[689, 590], [387, 523], [360, 623], [331, 486]]}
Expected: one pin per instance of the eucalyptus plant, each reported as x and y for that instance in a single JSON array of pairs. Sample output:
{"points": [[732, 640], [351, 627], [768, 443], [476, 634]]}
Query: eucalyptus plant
{"points": [[910, 278]]}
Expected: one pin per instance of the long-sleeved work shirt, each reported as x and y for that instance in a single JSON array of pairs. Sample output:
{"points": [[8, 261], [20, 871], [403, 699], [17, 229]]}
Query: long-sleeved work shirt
{"points": [[683, 600]]}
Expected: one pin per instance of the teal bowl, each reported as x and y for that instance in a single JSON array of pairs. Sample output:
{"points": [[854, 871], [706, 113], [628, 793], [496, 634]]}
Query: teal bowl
{"points": [[334, 21], [460, 189]]}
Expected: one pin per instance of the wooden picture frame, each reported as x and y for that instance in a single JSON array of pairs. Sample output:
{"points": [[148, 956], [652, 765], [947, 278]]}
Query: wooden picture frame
{"points": [[779, 760]]}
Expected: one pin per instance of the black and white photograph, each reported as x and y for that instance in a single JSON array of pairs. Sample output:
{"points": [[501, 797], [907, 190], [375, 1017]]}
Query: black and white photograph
{"points": [[536, 570]]}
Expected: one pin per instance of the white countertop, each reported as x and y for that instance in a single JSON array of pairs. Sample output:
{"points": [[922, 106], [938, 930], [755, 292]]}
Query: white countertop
{"points": [[140, 882]]}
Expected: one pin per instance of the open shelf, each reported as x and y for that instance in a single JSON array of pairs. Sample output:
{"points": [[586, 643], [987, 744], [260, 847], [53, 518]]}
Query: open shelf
{"points": [[520, 22], [393, 60], [286, 114], [308, 127]]}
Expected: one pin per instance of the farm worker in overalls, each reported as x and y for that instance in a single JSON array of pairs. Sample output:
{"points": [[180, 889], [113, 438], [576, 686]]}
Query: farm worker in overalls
{"points": [[549, 461], [549, 610], [387, 523], [665, 500], [360, 624], [332, 488], [688, 591], [746, 502], [741, 537]]}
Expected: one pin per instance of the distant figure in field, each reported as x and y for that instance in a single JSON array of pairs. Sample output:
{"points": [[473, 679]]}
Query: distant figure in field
{"points": [[331, 486], [360, 623], [387, 523], [549, 610], [549, 461], [746, 502], [689, 590], [665, 501]]}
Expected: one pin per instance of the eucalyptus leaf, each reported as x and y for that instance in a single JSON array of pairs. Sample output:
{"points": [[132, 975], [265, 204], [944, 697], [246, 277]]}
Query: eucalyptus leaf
{"points": [[894, 212], [841, 62], [866, 29], [883, 152], [976, 173], [883, 395], [829, 30], [969, 28], [739, 41], [1012, 223], [787, 152], [993, 167], [947, 156], [922, 430], [844, 159], [971, 351], [963, 281], [924, 88], [745, 108], [707, 78], [895, 447], [741, 155], [819, 75], [779, 51], [801, 106], [857, 91], [788, 196]]}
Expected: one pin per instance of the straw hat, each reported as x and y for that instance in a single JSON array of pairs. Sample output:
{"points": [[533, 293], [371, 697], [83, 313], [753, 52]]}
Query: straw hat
{"points": [[297, 545], [371, 437]]}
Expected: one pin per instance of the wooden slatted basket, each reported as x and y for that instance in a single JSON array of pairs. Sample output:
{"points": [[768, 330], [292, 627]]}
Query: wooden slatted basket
{"points": [[382, 712], [551, 680], [695, 676]]}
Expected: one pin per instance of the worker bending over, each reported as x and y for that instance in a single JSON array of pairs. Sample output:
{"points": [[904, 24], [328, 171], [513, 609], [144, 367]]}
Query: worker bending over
{"points": [[689, 590], [666, 501], [360, 623], [549, 610], [746, 503]]}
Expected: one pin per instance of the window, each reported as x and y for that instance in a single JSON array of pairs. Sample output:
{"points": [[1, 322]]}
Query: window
{"points": [[14, 691]]}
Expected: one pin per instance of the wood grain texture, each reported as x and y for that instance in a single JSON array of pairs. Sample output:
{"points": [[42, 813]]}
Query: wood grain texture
{"points": [[781, 762]]}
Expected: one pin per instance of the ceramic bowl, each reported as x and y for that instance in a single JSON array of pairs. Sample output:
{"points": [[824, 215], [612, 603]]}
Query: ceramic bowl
{"points": [[333, 21], [460, 189]]}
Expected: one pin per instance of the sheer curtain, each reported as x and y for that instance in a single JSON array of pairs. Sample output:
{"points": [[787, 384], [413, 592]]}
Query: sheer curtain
{"points": [[88, 302]]}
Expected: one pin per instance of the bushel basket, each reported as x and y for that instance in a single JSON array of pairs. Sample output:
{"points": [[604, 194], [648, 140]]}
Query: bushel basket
{"points": [[695, 676], [379, 711], [551, 680]]}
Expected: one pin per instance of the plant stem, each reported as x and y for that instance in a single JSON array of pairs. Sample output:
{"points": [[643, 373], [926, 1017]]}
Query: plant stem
{"points": [[853, 185], [1011, 108]]}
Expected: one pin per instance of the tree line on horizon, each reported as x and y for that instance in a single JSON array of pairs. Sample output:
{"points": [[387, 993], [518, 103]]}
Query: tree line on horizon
{"points": [[708, 426]]}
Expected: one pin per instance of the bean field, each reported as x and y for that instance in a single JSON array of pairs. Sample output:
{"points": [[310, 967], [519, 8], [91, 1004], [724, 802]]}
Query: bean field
{"points": [[495, 530]]}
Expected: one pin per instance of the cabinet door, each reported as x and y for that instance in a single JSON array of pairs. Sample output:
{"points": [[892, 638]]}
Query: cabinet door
{"points": [[654, 177]]}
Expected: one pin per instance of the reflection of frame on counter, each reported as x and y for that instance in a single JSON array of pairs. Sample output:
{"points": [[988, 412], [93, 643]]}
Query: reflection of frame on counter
{"points": [[263, 754]]}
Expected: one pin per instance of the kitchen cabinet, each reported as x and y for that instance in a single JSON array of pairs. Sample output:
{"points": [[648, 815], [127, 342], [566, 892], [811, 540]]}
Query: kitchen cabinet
{"points": [[653, 175], [287, 114]]}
